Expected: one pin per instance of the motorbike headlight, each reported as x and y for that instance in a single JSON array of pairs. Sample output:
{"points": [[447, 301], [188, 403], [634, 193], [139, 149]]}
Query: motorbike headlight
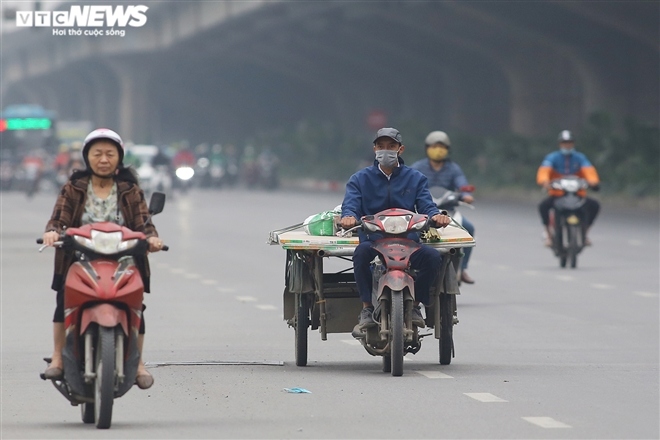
{"points": [[106, 242], [396, 225], [185, 173], [570, 185]]}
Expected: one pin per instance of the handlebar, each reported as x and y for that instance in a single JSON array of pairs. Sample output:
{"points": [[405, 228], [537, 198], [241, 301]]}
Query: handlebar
{"points": [[165, 248]]}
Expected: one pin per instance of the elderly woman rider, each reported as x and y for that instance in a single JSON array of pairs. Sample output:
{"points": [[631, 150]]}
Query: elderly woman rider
{"points": [[104, 191]]}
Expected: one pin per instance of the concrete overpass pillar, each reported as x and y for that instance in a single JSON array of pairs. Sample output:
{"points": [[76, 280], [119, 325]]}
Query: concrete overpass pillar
{"points": [[133, 102]]}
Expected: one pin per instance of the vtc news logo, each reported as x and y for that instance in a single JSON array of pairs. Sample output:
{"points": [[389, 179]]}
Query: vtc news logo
{"points": [[85, 16]]}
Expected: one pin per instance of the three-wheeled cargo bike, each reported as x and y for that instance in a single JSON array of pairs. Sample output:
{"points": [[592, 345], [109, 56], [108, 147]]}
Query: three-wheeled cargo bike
{"points": [[328, 300]]}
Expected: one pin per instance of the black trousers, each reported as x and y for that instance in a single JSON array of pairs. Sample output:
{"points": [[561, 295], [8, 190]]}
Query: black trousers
{"points": [[590, 210], [59, 310]]}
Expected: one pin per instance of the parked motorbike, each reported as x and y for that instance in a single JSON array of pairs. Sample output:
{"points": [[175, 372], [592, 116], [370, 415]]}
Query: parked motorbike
{"points": [[567, 220], [449, 201], [103, 295], [394, 292]]}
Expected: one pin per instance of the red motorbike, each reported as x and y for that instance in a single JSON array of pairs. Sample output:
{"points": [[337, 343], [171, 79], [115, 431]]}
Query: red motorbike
{"points": [[103, 295], [394, 291]]}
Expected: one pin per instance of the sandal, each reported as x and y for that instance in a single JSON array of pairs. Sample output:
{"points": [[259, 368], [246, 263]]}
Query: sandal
{"points": [[53, 373], [144, 381]]}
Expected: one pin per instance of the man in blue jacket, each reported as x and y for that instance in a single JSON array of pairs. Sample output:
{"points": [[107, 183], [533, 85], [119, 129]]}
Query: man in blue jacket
{"points": [[388, 183]]}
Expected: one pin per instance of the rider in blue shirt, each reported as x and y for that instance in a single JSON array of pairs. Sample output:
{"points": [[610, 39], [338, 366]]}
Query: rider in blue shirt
{"points": [[388, 183], [440, 170]]}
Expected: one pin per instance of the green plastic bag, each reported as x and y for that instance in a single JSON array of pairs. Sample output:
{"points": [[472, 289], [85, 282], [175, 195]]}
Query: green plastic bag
{"points": [[321, 223]]}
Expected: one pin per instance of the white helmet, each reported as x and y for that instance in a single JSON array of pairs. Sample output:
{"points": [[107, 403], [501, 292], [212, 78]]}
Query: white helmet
{"points": [[102, 133], [435, 137]]}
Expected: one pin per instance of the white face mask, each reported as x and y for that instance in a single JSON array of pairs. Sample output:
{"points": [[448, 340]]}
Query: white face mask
{"points": [[387, 158], [566, 151]]}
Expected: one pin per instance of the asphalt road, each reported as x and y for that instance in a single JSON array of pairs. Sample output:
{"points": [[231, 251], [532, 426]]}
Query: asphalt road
{"points": [[541, 352]]}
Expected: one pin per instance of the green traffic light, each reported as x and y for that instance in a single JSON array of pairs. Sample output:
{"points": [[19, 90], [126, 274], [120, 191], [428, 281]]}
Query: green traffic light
{"points": [[28, 123]]}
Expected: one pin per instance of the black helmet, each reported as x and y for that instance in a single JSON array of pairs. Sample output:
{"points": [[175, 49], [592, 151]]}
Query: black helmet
{"points": [[565, 136]]}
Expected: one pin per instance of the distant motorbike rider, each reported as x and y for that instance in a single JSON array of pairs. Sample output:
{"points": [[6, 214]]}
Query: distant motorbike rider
{"points": [[440, 170], [104, 191], [567, 161], [388, 183]]}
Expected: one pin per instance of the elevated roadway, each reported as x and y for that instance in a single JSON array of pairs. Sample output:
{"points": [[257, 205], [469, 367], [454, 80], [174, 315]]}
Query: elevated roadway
{"points": [[208, 70]]}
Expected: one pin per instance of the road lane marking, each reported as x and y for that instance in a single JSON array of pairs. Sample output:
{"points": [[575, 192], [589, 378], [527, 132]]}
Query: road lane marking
{"points": [[351, 341], [209, 282], [646, 294], [266, 307], [434, 374], [546, 422], [178, 270], [485, 397], [192, 276], [246, 298], [602, 286], [225, 289], [564, 277], [502, 267]]}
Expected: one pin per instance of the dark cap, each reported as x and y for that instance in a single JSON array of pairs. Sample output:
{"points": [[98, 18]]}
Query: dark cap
{"points": [[565, 136], [391, 133]]}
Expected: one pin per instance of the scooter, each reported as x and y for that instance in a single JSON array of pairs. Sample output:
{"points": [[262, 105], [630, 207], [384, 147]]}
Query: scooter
{"points": [[567, 220], [449, 201], [394, 292], [103, 293]]}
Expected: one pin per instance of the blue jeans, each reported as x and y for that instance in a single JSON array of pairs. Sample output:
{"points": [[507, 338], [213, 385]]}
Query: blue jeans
{"points": [[425, 260], [467, 250]]}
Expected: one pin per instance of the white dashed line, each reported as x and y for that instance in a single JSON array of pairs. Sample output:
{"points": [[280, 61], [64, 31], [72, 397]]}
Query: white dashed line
{"points": [[209, 282], [546, 422], [646, 294], [266, 307], [192, 276], [246, 298], [351, 341], [602, 286], [485, 397], [434, 374], [564, 277]]}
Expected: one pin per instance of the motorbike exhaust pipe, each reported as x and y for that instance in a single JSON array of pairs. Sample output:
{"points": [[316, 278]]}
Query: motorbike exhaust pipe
{"points": [[344, 252]]}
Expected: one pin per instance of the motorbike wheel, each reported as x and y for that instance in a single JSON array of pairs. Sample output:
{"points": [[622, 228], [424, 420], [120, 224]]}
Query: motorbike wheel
{"points": [[104, 384], [302, 322], [87, 412], [558, 241], [446, 341], [573, 245], [396, 333]]}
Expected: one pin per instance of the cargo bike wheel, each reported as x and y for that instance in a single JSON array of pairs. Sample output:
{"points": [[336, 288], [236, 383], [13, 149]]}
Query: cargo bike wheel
{"points": [[302, 307], [446, 341]]}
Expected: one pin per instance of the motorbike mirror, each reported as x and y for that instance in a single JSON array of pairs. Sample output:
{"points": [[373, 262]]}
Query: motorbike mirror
{"points": [[157, 203], [467, 188]]}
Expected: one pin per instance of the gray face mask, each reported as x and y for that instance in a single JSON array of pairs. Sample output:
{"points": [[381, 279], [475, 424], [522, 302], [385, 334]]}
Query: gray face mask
{"points": [[566, 151], [387, 158]]}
